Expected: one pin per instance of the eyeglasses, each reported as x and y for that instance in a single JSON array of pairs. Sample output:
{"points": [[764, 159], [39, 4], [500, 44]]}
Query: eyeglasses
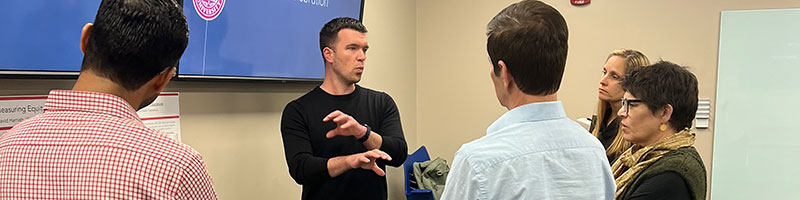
{"points": [[626, 104]]}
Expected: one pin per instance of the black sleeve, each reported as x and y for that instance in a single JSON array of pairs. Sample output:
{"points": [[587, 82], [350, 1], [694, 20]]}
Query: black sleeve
{"points": [[665, 186], [303, 166], [394, 143]]}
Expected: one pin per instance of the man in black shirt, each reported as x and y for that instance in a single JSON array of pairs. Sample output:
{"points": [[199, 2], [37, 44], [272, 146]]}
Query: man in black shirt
{"points": [[339, 137]]}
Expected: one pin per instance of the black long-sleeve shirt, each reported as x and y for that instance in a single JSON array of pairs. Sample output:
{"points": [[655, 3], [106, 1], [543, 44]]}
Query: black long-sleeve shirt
{"points": [[307, 150], [664, 186]]}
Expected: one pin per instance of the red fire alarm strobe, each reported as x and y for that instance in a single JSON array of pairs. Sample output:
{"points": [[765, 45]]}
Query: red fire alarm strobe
{"points": [[580, 2]]}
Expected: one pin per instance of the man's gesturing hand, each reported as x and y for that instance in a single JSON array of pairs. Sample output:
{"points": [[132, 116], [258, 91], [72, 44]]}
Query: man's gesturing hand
{"points": [[346, 125], [367, 159]]}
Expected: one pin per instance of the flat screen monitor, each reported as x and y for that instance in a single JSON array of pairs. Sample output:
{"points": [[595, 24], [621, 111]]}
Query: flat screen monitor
{"points": [[262, 40], [270, 39], [42, 37]]}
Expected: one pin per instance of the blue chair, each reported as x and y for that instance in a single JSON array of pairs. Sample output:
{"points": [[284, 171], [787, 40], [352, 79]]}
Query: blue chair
{"points": [[421, 155]]}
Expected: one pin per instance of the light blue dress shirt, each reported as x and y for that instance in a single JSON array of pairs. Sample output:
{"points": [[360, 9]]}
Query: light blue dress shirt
{"points": [[531, 152]]}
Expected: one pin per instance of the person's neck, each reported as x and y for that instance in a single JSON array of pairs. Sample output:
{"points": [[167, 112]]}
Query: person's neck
{"points": [[335, 86], [615, 106], [660, 136], [88, 81], [518, 98]]}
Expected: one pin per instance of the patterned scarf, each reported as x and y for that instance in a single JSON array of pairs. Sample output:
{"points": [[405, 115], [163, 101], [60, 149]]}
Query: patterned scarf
{"points": [[636, 159]]}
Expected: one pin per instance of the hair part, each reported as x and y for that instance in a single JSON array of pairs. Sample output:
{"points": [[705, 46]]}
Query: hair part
{"points": [[665, 83], [132, 41], [530, 37], [633, 58], [330, 31]]}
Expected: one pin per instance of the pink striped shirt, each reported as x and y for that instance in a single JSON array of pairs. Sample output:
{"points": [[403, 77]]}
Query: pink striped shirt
{"points": [[94, 146]]}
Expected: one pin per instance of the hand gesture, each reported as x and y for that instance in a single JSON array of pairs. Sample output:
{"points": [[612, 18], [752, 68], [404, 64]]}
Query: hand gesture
{"points": [[346, 125], [367, 159]]}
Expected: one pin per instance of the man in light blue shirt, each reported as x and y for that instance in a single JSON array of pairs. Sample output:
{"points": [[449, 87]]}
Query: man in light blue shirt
{"points": [[533, 151]]}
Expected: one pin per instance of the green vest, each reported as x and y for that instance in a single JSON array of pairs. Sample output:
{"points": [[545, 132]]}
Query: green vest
{"points": [[684, 161]]}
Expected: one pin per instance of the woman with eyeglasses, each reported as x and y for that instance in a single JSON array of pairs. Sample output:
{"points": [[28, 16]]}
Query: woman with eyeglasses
{"points": [[605, 124], [657, 110]]}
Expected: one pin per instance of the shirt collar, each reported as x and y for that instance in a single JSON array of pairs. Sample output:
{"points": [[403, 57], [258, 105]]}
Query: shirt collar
{"points": [[68, 100], [529, 113], [610, 130]]}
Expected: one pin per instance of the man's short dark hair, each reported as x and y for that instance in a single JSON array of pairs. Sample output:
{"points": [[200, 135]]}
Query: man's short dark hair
{"points": [[530, 37], [329, 32], [132, 41], [665, 83]]}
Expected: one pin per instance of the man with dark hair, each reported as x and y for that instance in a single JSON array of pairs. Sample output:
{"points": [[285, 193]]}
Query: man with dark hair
{"points": [[533, 151], [90, 143], [339, 137]]}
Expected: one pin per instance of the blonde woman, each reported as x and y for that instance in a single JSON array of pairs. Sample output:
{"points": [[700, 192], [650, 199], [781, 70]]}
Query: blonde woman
{"points": [[605, 124]]}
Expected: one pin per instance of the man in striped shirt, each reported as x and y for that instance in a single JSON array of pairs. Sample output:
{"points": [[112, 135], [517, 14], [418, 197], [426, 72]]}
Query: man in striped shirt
{"points": [[89, 143]]}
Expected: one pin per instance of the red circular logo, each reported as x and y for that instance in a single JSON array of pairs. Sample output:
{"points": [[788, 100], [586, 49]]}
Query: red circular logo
{"points": [[209, 9]]}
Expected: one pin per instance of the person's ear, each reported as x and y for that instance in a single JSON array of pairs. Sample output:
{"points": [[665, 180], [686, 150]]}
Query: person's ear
{"points": [[161, 80], [327, 53], [85, 33], [505, 75], [665, 113]]}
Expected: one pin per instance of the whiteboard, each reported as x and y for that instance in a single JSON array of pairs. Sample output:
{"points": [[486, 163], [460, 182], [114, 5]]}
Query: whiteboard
{"points": [[756, 139]]}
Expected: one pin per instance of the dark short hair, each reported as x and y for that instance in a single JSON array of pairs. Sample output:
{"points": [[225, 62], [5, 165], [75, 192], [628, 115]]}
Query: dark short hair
{"points": [[530, 37], [132, 41], [665, 83], [329, 32]]}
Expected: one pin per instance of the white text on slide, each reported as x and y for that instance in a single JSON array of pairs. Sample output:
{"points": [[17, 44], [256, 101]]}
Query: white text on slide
{"points": [[321, 3]]}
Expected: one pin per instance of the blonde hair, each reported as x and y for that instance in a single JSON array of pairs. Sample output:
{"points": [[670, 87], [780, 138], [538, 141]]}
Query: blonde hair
{"points": [[633, 59]]}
